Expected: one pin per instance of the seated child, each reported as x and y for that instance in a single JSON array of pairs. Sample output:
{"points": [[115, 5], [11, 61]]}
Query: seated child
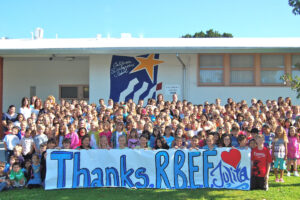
{"points": [[66, 143], [16, 176], [195, 143], [18, 153], [8, 166], [122, 142], [178, 143], [210, 143], [260, 161], [4, 181]]}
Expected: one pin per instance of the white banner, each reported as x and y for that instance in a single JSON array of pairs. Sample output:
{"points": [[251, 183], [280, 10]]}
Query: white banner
{"points": [[172, 169]]}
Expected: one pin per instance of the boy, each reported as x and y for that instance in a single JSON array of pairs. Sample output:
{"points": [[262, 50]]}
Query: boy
{"points": [[242, 140], [40, 138], [266, 130], [10, 141], [260, 161], [16, 176], [4, 182], [234, 135], [194, 143], [66, 143]]}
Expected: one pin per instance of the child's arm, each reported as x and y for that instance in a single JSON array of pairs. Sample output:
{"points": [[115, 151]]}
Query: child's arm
{"points": [[268, 171], [273, 157], [286, 151], [5, 146]]}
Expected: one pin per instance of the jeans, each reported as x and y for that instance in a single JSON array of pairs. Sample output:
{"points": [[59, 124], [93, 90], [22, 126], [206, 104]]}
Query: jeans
{"points": [[8, 153], [3, 185]]}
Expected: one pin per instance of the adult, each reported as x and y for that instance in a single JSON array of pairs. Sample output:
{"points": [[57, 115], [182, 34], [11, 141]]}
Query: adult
{"points": [[10, 115], [25, 107]]}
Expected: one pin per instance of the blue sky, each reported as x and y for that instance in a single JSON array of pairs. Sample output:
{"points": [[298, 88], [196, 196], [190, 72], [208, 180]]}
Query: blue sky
{"points": [[152, 18]]}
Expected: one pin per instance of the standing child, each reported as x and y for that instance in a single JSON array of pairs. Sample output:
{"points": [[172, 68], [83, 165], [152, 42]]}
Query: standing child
{"points": [[133, 140], [122, 142], [260, 162], [73, 136], [103, 143], [293, 150], [169, 136], [94, 134], [242, 139], [194, 143], [106, 132], [27, 145], [279, 152], [66, 143], [269, 137], [10, 141], [179, 143], [40, 138], [116, 134], [35, 180], [210, 143]]}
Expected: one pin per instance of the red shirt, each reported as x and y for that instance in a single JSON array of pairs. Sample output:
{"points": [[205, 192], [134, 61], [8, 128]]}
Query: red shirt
{"points": [[260, 159]]}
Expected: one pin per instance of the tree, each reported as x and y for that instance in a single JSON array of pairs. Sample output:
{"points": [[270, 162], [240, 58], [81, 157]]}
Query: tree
{"points": [[293, 82], [208, 34], [296, 6]]}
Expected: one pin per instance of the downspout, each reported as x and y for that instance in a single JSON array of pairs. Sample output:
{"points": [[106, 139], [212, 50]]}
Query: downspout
{"points": [[183, 75]]}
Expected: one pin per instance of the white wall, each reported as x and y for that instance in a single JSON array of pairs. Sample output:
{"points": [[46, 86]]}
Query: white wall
{"points": [[21, 73]]}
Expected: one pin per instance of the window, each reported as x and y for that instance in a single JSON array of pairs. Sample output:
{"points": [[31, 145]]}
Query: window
{"points": [[272, 68], [211, 69], [242, 69], [73, 91], [296, 65]]}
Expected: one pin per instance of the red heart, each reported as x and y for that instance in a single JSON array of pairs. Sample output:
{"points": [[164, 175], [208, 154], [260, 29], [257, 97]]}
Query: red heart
{"points": [[233, 157]]}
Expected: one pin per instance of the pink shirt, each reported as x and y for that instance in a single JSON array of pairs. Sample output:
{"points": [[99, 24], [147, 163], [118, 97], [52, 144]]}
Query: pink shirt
{"points": [[293, 148], [74, 139]]}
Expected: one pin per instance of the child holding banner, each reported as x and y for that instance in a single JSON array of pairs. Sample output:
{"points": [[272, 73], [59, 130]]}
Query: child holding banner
{"points": [[261, 161]]}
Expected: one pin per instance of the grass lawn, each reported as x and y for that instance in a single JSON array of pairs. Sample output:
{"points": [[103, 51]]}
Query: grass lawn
{"points": [[288, 190]]}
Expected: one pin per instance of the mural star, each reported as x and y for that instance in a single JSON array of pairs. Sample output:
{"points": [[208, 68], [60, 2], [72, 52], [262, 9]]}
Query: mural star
{"points": [[147, 64]]}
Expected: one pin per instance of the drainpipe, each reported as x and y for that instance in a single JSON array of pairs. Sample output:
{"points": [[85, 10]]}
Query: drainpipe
{"points": [[183, 75]]}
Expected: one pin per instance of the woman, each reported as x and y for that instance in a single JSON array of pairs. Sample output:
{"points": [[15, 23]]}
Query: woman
{"points": [[25, 108], [11, 115]]}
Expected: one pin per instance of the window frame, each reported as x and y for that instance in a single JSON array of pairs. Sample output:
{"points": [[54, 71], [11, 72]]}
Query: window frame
{"points": [[79, 91], [256, 70]]}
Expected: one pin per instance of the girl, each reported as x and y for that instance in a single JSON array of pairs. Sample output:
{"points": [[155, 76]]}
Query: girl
{"points": [[178, 143], [133, 140], [81, 132], [35, 180], [153, 136], [27, 145], [94, 134], [169, 136], [85, 143], [226, 140], [122, 142], [160, 143], [61, 134], [72, 135], [143, 143], [103, 143], [293, 150], [106, 132], [195, 143], [210, 143], [279, 152]]}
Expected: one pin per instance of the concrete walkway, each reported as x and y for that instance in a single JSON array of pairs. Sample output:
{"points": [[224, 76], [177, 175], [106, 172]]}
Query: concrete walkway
{"points": [[2, 155]]}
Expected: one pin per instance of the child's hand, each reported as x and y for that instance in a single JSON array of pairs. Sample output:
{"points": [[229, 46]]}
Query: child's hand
{"points": [[285, 157], [266, 177]]}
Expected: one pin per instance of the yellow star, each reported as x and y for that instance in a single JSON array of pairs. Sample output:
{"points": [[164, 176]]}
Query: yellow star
{"points": [[147, 64]]}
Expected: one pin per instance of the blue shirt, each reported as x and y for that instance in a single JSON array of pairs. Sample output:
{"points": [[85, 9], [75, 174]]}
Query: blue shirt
{"points": [[169, 140], [234, 141]]}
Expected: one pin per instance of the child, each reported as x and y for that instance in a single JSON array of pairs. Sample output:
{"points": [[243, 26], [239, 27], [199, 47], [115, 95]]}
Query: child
{"points": [[169, 136], [210, 143], [153, 136], [27, 145], [8, 166], [194, 143], [22, 130], [122, 142], [18, 153], [103, 142], [72, 135], [178, 143], [40, 138], [279, 152], [4, 182], [260, 162], [133, 140], [16, 176], [106, 132], [242, 142], [66, 143], [9, 126], [85, 143], [252, 143], [35, 180], [234, 135], [94, 134], [269, 137], [293, 150], [160, 143], [143, 143], [10, 141], [226, 140], [116, 134]]}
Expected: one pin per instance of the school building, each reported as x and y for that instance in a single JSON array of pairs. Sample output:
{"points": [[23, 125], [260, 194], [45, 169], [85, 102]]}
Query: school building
{"points": [[197, 69]]}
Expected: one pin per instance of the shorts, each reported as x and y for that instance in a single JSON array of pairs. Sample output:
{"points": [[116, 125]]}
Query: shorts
{"points": [[292, 159], [280, 162], [259, 183]]}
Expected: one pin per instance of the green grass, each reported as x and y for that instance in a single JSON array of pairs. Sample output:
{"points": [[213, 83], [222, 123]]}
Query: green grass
{"points": [[288, 190]]}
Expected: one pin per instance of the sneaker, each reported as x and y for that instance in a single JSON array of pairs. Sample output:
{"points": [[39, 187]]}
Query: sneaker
{"points": [[277, 180], [296, 173], [281, 180], [289, 173]]}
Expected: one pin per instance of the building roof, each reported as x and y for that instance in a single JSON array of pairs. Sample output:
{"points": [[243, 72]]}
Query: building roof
{"points": [[90, 46]]}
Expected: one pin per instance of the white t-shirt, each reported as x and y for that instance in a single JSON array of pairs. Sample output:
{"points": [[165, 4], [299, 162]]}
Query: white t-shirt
{"points": [[11, 141], [26, 112], [118, 134], [26, 143]]}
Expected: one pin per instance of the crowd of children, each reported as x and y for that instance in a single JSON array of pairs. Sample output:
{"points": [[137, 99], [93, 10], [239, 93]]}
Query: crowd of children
{"points": [[270, 129]]}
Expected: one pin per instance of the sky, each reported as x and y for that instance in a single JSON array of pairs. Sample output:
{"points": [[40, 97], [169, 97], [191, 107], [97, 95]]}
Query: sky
{"points": [[148, 19]]}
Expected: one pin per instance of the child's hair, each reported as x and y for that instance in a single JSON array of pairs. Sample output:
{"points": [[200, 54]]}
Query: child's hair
{"points": [[16, 164], [287, 120], [241, 138], [16, 127], [235, 129], [122, 136], [43, 145], [210, 137], [223, 137], [51, 141], [37, 156], [195, 137], [66, 140], [296, 133], [283, 135], [259, 137], [86, 136], [135, 134], [255, 131], [18, 146]]}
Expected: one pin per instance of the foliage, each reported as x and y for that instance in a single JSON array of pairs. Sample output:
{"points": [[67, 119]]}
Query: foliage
{"points": [[294, 82], [296, 6], [208, 34]]}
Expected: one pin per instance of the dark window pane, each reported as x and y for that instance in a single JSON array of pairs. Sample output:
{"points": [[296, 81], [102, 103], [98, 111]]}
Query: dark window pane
{"points": [[86, 92], [69, 92]]}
